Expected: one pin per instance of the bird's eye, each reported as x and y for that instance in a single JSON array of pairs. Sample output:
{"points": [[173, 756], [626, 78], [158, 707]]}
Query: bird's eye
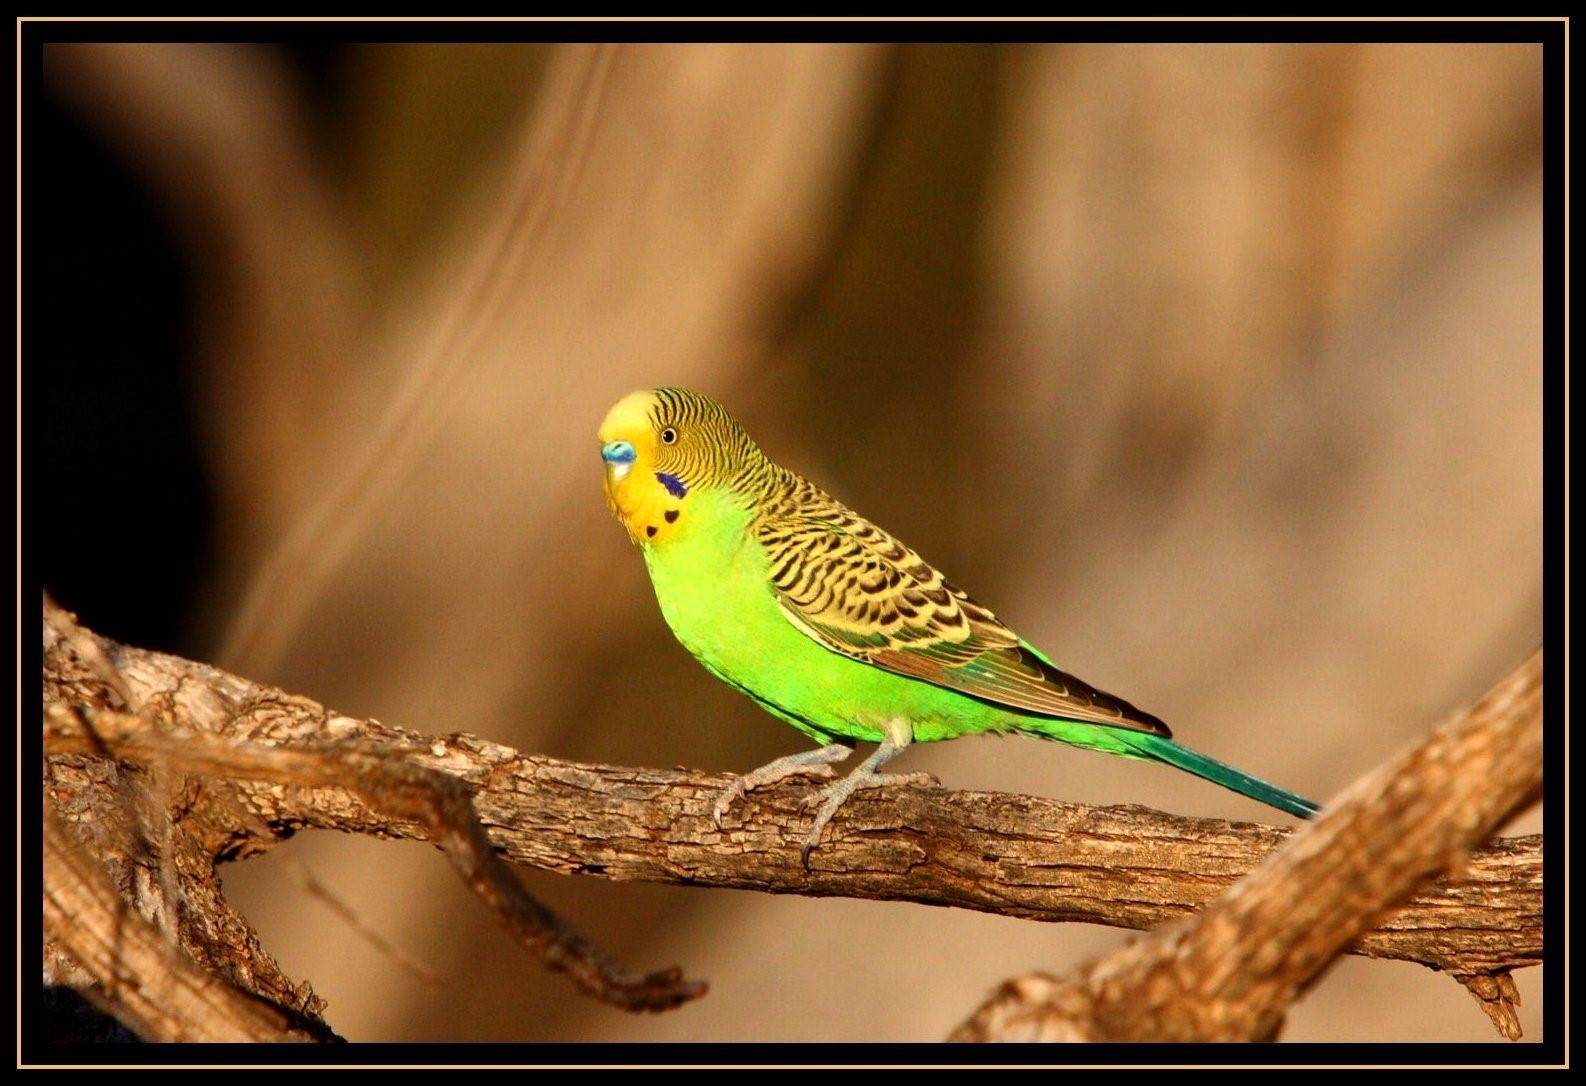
{"points": [[669, 436]]}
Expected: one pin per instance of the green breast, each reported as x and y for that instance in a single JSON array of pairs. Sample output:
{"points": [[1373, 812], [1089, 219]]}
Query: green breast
{"points": [[712, 582]]}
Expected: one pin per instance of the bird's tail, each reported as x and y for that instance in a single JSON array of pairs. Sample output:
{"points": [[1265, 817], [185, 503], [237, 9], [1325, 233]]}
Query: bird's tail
{"points": [[1158, 749]]}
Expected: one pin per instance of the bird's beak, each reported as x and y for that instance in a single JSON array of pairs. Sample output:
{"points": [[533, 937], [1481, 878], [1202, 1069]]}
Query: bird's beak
{"points": [[619, 457]]}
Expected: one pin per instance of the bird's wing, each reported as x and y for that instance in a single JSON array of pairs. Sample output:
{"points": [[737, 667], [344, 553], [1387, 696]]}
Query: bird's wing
{"points": [[858, 591]]}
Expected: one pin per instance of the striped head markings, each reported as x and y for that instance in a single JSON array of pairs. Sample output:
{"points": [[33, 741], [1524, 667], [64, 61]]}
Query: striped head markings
{"points": [[661, 444]]}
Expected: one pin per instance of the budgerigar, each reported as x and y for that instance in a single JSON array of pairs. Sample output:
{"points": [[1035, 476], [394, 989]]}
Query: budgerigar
{"points": [[833, 625]]}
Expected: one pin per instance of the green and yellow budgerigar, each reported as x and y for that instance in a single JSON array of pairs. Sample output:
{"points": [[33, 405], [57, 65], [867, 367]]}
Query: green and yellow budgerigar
{"points": [[832, 624]]}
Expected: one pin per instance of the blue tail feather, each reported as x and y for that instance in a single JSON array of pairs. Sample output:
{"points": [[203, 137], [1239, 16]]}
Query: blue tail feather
{"points": [[1165, 750]]}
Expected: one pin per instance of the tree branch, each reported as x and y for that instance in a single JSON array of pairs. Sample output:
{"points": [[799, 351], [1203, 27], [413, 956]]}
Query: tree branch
{"points": [[271, 763], [1231, 972], [166, 878], [146, 981]]}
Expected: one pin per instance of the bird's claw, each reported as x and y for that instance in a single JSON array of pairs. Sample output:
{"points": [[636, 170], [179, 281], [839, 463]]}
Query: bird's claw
{"points": [[880, 780], [815, 798], [733, 791], [741, 787], [833, 796]]}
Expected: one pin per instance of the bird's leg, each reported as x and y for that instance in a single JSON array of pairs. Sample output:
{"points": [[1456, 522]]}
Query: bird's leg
{"points": [[815, 762], [899, 734]]}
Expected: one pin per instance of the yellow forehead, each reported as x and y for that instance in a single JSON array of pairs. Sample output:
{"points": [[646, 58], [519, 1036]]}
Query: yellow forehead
{"points": [[628, 416]]}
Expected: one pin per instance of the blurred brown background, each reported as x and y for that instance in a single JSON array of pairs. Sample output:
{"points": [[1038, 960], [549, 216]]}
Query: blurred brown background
{"points": [[1215, 370]]}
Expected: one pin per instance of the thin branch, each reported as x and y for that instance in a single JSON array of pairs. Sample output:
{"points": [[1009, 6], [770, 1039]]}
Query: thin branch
{"points": [[1231, 972], [349, 916]]}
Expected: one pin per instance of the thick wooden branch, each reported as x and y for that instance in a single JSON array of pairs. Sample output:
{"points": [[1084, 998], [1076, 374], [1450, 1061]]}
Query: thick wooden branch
{"points": [[1231, 972], [1014, 855], [150, 984], [157, 846]]}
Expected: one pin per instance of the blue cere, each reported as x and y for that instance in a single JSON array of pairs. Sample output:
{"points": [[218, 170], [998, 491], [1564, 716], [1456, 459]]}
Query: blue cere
{"points": [[618, 452]]}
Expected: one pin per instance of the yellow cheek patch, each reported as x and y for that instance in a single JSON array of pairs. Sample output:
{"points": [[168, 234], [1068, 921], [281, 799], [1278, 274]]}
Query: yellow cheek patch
{"points": [[644, 506]]}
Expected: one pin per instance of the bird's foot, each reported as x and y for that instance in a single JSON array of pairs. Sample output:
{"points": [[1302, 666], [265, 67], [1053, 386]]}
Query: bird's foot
{"points": [[834, 796], [806, 763]]}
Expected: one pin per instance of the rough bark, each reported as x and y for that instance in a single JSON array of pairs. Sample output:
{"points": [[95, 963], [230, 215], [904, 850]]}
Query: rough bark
{"points": [[1231, 972], [145, 979], [237, 767], [142, 764]]}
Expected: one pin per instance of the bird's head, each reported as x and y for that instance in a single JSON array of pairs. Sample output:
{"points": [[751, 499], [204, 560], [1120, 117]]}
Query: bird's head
{"points": [[661, 446]]}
